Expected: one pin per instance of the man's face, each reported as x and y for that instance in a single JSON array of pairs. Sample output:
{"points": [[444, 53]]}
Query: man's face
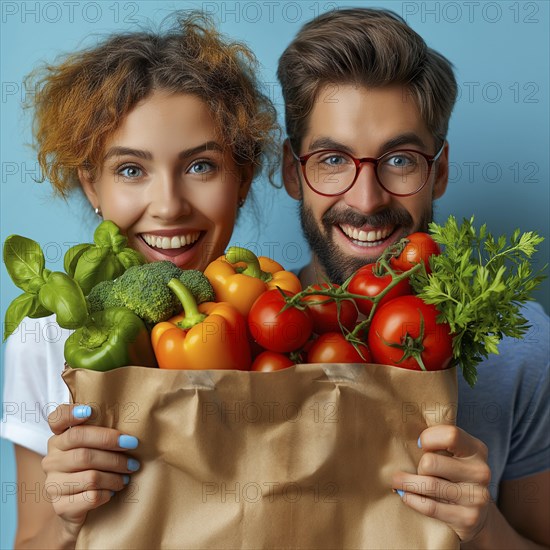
{"points": [[353, 229]]}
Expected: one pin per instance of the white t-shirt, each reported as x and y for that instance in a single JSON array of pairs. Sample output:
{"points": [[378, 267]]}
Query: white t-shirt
{"points": [[33, 386]]}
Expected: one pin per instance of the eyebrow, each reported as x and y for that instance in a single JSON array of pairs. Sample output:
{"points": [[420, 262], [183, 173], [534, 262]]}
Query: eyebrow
{"points": [[146, 155], [409, 138]]}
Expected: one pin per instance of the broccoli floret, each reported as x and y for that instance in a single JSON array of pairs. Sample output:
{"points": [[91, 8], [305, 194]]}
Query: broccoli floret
{"points": [[99, 297], [198, 284], [143, 289]]}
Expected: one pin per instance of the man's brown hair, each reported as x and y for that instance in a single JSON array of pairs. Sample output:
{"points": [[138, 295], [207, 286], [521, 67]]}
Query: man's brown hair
{"points": [[368, 47]]}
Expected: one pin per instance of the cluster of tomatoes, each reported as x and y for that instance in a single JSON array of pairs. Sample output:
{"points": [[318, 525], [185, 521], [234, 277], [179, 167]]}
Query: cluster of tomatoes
{"points": [[374, 317]]}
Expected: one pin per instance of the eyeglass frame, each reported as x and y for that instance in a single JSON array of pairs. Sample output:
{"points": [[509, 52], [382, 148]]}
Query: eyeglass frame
{"points": [[359, 164]]}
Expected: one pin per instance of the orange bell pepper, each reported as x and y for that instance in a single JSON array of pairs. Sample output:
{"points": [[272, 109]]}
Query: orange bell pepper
{"points": [[210, 336], [240, 277]]}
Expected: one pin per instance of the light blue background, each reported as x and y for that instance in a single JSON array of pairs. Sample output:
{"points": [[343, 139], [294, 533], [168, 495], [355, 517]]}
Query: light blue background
{"points": [[499, 132]]}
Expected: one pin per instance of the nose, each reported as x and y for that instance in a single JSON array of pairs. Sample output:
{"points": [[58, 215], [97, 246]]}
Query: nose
{"points": [[367, 195], [168, 200]]}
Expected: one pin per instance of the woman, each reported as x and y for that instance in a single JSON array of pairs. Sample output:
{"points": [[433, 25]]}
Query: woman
{"points": [[164, 134]]}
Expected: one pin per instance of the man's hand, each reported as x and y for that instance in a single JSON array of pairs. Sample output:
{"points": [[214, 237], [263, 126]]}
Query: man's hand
{"points": [[452, 483]]}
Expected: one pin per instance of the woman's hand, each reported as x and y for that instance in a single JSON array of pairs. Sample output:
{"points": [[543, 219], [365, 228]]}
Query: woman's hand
{"points": [[85, 465], [452, 483]]}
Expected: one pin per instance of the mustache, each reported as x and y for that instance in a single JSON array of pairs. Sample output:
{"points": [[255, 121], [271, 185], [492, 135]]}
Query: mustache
{"points": [[356, 219]]}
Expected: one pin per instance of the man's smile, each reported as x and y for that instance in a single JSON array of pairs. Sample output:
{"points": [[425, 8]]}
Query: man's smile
{"points": [[365, 236]]}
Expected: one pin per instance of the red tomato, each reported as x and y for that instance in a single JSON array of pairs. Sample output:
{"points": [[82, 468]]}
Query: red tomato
{"points": [[277, 330], [398, 322], [269, 361], [255, 348], [419, 249], [366, 283], [332, 347], [325, 315]]}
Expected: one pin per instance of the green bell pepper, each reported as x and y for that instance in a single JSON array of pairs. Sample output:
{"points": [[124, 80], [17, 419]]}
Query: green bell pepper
{"points": [[112, 338]]}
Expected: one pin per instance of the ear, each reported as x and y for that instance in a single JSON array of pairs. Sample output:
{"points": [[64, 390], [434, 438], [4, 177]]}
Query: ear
{"points": [[442, 175], [88, 187], [291, 172]]}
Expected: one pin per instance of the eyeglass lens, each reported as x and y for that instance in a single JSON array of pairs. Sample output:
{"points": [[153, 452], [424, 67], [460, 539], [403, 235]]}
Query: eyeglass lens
{"points": [[399, 172]]}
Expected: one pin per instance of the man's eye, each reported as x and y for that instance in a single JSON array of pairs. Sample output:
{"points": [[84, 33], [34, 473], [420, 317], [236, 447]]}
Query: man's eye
{"points": [[334, 160], [130, 172], [399, 161], [201, 167]]}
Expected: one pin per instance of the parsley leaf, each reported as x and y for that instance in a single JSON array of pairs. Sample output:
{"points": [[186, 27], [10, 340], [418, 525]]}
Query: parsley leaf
{"points": [[478, 284]]}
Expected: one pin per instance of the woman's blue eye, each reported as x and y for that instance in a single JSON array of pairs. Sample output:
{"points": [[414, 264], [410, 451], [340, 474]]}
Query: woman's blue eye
{"points": [[201, 167], [130, 172]]}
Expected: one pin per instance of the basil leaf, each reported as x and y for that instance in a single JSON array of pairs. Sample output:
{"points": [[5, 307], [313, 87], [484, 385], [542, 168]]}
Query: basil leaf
{"points": [[24, 261], [108, 234], [96, 265], [65, 298], [72, 256], [40, 310], [130, 257], [25, 305]]}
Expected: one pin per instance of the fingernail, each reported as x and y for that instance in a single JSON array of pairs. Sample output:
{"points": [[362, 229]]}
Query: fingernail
{"points": [[400, 492], [125, 479], [419, 444], [82, 411], [133, 464], [127, 442]]}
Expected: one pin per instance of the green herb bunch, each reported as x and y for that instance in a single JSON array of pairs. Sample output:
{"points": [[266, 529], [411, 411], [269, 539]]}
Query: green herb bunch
{"points": [[478, 284]]}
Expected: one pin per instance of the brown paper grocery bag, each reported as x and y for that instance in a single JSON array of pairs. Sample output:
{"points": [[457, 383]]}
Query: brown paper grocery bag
{"points": [[298, 458]]}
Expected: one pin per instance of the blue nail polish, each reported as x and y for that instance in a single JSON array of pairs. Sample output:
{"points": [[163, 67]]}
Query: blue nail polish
{"points": [[419, 444], [400, 492], [82, 411], [125, 479], [133, 465], [127, 442]]}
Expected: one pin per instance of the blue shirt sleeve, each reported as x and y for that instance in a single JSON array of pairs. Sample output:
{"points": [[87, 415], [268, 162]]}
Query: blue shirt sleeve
{"points": [[509, 407], [530, 441]]}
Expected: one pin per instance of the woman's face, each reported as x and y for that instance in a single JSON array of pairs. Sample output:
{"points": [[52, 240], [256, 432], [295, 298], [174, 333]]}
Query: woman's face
{"points": [[168, 183]]}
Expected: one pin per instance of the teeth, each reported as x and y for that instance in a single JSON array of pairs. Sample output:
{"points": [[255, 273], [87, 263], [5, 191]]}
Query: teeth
{"points": [[168, 243], [366, 237]]}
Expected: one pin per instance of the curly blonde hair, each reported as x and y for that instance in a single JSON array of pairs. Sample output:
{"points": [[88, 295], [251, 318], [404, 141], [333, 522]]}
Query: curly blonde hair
{"points": [[83, 99]]}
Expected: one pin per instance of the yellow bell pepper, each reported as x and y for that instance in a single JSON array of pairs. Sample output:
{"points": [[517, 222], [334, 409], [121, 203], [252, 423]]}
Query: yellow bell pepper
{"points": [[240, 277]]}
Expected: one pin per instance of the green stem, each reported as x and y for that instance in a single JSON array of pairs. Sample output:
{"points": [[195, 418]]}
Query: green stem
{"points": [[420, 362], [339, 294], [505, 252], [376, 300], [192, 314], [236, 254]]}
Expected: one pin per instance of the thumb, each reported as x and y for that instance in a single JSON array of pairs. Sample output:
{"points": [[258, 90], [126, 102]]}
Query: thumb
{"points": [[65, 416]]}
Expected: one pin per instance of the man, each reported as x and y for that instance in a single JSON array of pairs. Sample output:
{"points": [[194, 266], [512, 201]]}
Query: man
{"points": [[366, 99]]}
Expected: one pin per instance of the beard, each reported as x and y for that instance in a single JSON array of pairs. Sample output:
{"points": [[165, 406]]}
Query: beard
{"points": [[337, 265]]}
